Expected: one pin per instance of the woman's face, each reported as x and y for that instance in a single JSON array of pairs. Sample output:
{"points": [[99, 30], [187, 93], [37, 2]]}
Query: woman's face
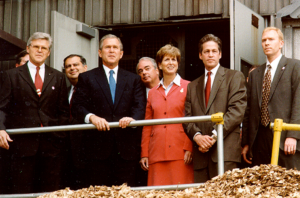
{"points": [[169, 65]]}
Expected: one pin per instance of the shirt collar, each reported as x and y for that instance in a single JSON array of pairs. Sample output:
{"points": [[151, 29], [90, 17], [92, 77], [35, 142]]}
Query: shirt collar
{"points": [[106, 69], [175, 81], [275, 62], [213, 71], [32, 66]]}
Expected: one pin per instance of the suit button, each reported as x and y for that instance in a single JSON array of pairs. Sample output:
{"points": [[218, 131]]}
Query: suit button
{"points": [[165, 98], [114, 116], [165, 113], [165, 126]]}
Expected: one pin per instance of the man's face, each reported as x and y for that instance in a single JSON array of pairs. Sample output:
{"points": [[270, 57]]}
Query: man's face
{"points": [[24, 59], [73, 67], [210, 55], [147, 71], [271, 43], [38, 51], [111, 52]]}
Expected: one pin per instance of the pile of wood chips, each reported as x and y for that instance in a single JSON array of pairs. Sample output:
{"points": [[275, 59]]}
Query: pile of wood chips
{"points": [[259, 181]]}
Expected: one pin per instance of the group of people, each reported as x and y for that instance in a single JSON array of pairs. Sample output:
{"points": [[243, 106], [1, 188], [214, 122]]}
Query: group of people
{"points": [[35, 95]]}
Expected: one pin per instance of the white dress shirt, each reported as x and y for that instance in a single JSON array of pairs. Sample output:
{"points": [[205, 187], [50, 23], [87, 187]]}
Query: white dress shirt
{"points": [[106, 70], [175, 81], [274, 66], [32, 71]]}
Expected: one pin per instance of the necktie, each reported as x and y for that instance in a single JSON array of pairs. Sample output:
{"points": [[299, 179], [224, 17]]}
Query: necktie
{"points": [[38, 82], [112, 85], [207, 88], [71, 101], [265, 118]]}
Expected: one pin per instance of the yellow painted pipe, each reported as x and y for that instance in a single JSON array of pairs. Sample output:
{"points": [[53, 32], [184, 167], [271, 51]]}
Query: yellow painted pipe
{"points": [[217, 118], [276, 141]]}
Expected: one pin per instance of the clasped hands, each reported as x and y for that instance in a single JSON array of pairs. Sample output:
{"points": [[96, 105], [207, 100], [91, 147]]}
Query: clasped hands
{"points": [[205, 142], [102, 125]]}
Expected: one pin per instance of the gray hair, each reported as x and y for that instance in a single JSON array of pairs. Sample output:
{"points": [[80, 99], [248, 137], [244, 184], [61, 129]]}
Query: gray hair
{"points": [[148, 59], [110, 36], [40, 35]]}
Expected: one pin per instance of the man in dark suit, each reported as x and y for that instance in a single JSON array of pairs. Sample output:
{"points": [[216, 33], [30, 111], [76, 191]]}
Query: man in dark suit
{"points": [[34, 95], [273, 92], [108, 94], [74, 64], [219, 90]]}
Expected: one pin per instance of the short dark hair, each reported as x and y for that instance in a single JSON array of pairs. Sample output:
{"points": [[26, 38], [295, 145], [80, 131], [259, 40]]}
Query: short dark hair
{"points": [[82, 59], [110, 36], [20, 56], [210, 37]]}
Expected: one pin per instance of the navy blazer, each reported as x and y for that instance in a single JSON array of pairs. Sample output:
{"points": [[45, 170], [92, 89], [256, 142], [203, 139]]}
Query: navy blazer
{"points": [[93, 96]]}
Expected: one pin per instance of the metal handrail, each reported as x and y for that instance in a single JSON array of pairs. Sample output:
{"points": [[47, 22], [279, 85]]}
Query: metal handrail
{"points": [[111, 125], [217, 118]]}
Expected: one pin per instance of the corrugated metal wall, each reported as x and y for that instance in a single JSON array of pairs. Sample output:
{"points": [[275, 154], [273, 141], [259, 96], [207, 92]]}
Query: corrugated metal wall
{"points": [[23, 17]]}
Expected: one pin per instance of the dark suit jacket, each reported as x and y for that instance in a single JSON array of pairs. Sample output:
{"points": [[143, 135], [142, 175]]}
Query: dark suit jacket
{"points": [[284, 100], [21, 107], [93, 96], [228, 95]]}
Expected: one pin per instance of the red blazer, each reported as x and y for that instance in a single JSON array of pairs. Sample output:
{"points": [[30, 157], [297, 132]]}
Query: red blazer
{"points": [[165, 142]]}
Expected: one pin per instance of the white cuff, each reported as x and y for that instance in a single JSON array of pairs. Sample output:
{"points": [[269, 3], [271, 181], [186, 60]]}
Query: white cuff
{"points": [[87, 118], [197, 134]]}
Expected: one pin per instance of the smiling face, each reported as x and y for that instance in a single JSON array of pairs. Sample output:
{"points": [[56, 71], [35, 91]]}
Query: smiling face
{"points": [[111, 52], [271, 44], [168, 65], [73, 67], [38, 51], [210, 55]]}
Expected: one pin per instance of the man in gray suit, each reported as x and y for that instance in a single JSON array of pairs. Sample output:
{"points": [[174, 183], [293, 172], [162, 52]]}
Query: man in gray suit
{"points": [[267, 101], [218, 90]]}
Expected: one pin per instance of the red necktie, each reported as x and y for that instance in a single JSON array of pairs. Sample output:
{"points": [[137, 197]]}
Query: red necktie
{"points": [[207, 88], [38, 82]]}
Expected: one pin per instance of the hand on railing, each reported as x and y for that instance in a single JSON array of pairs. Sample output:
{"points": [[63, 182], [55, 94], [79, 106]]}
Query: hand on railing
{"points": [[144, 163], [124, 122], [4, 139], [100, 123]]}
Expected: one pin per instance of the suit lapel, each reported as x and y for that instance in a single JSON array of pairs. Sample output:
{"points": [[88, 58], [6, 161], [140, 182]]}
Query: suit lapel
{"points": [[200, 92], [101, 79], [48, 77], [216, 85], [279, 71], [259, 82], [24, 72]]}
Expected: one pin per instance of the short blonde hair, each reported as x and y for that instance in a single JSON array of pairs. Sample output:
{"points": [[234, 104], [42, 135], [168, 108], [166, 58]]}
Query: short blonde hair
{"points": [[168, 50], [279, 32]]}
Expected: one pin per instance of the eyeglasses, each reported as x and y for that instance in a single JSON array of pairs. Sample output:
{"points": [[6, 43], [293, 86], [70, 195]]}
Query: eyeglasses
{"points": [[37, 48]]}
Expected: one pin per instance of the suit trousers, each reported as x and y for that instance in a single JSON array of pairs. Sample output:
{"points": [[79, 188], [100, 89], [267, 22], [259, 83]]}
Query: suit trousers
{"points": [[39, 173], [262, 147], [111, 171], [205, 174]]}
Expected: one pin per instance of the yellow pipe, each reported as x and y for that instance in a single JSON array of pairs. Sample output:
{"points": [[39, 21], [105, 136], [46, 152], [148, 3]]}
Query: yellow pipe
{"points": [[217, 118], [290, 127], [276, 141]]}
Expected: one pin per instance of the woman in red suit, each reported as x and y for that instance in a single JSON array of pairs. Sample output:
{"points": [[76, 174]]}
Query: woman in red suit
{"points": [[166, 149]]}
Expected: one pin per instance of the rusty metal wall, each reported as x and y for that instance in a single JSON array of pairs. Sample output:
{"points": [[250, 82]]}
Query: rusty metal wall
{"points": [[23, 17]]}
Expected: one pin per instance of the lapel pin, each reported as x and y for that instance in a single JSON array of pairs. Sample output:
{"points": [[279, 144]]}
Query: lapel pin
{"points": [[53, 87], [283, 68], [181, 90]]}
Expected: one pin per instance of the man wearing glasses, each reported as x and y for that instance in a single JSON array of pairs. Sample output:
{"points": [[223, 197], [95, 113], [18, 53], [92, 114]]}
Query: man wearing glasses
{"points": [[34, 95]]}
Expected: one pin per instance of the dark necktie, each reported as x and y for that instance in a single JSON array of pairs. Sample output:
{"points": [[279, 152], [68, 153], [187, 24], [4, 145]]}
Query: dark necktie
{"points": [[71, 101], [207, 88], [265, 118], [38, 82], [112, 85]]}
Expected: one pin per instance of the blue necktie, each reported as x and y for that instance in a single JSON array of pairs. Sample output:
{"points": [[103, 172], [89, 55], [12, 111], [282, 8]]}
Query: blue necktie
{"points": [[112, 84]]}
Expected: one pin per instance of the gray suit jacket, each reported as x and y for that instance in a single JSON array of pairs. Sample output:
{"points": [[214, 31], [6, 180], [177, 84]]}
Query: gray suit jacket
{"points": [[228, 95], [284, 100]]}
